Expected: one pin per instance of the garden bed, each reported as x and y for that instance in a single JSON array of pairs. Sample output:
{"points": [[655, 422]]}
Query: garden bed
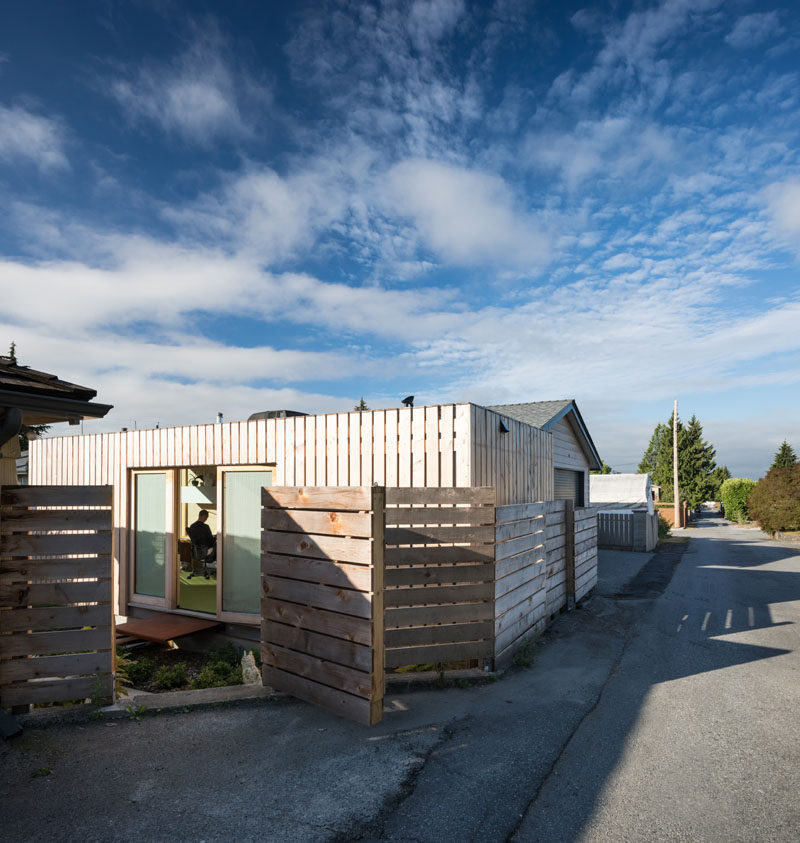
{"points": [[156, 669]]}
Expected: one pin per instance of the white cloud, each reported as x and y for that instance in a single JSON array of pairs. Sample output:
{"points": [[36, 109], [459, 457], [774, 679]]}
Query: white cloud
{"points": [[611, 147], [783, 201], [199, 96], [466, 216], [25, 136], [753, 30]]}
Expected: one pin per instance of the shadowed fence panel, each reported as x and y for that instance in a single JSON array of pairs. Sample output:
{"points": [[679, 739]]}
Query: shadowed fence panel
{"points": [[56, 621], [439, 575], [322, 597]]}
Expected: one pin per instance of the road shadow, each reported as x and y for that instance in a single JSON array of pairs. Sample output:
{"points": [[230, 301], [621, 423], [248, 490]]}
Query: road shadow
{"points": [[716, 593]]}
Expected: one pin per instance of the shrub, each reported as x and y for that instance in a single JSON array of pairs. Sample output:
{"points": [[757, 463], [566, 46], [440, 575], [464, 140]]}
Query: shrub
{"points": [[140, 671], [217, 674], [734, 492], [775, 500], [663, 527], [171, 677]]}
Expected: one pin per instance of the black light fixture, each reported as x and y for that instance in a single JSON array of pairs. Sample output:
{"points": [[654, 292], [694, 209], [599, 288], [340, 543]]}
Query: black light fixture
{"points": [[502, 427], [408, 401]]}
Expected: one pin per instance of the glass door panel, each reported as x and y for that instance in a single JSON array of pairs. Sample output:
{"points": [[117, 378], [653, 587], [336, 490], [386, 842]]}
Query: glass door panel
{"points": [[150, 534], [241, 539]]}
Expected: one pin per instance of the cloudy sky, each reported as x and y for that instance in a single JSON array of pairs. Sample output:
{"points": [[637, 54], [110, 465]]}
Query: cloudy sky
{"points": [[236, 207]]}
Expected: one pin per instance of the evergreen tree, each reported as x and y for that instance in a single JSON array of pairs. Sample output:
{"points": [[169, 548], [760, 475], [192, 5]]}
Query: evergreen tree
{"points": [[649, 461], [696, 462], [361, 406], [785, 456]]}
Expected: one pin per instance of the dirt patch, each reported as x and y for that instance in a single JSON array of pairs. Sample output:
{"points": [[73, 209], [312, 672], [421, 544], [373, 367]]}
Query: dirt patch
{"points": [[156, 669]]}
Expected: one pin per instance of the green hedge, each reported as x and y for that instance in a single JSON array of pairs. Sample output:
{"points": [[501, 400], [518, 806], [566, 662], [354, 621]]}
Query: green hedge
{"points": [[735, 492], [775, 500]]}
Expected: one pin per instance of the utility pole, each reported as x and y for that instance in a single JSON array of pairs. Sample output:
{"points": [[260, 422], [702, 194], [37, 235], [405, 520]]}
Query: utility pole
{"points": [[676, 492]]}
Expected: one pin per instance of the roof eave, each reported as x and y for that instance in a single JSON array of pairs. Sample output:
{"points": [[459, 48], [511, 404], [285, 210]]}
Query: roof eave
{"points": [[48, 409]]}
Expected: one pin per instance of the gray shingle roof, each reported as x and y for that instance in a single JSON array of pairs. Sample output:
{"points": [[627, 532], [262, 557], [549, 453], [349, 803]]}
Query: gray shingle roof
{"points": [[534, 413]]}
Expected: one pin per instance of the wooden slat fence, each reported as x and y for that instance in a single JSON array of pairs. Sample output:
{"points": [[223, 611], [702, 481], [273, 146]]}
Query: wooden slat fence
{"points": [[521, 585], [546, 559], [615, 529], [322, 604], [439, 575], [585, 551], [56, 620]]}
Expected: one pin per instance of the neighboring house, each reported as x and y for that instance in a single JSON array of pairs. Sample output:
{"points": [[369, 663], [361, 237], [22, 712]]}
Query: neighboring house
{"points": [[22, 469], [31, 397], [574, 453], [163, 477], [626, 517], [632, 492]]}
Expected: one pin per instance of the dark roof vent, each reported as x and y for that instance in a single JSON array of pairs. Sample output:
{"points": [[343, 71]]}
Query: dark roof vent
{"points": [[275, 414]]}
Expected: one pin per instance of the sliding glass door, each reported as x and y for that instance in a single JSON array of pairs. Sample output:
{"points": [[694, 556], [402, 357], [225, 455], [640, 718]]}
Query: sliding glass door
{"points": [[240, 559], [153, 536]]}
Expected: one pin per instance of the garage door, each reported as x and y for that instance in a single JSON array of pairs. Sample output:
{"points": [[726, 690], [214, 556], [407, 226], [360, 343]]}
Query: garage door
{"points": [[569, 486]]}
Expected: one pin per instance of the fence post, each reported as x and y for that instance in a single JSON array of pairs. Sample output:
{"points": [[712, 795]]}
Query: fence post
{"points": [[378, 620], [569, 552]]}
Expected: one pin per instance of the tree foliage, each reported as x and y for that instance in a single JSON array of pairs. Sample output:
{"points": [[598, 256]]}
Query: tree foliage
{"points": [[697, 481], [25, 433], [361, 406], [775, 500], [734, 493], [606, 469], [784, 456]]}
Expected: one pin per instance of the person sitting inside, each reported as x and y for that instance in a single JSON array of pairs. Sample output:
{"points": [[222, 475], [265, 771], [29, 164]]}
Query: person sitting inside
{"points": [[202, 538]]}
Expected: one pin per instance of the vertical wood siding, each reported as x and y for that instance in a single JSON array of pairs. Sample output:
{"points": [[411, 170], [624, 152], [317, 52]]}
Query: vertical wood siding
{"points": [[519, 464], [567, 453]]}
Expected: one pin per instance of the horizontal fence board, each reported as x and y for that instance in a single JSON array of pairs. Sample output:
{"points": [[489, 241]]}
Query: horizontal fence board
{"points": [[318, 547], [63, 641], [323, 571], [419, 575], [527, 575], [526, 626], [20, 520], [55, 593], [350, 628], [17, 620], [514, 546], [440, 495], [504, 567], [439, 634], [20, 544], [425, 595], [12, 570], [527, 594], [324, 646], [472, 515], [431, 535], [56, 495], [330, 522], [513, 623], [584, 515], [358, 498], [325, 672], [515, 529], [333, 599], [46, 667], [438, 555], [438, 653], [60, 690], [519, 511], [345, 705], [455, 612], [507, 550], [554, 531]]}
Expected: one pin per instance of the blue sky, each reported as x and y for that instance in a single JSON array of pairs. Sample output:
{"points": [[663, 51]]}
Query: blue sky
{"points": [[235, 207]]}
